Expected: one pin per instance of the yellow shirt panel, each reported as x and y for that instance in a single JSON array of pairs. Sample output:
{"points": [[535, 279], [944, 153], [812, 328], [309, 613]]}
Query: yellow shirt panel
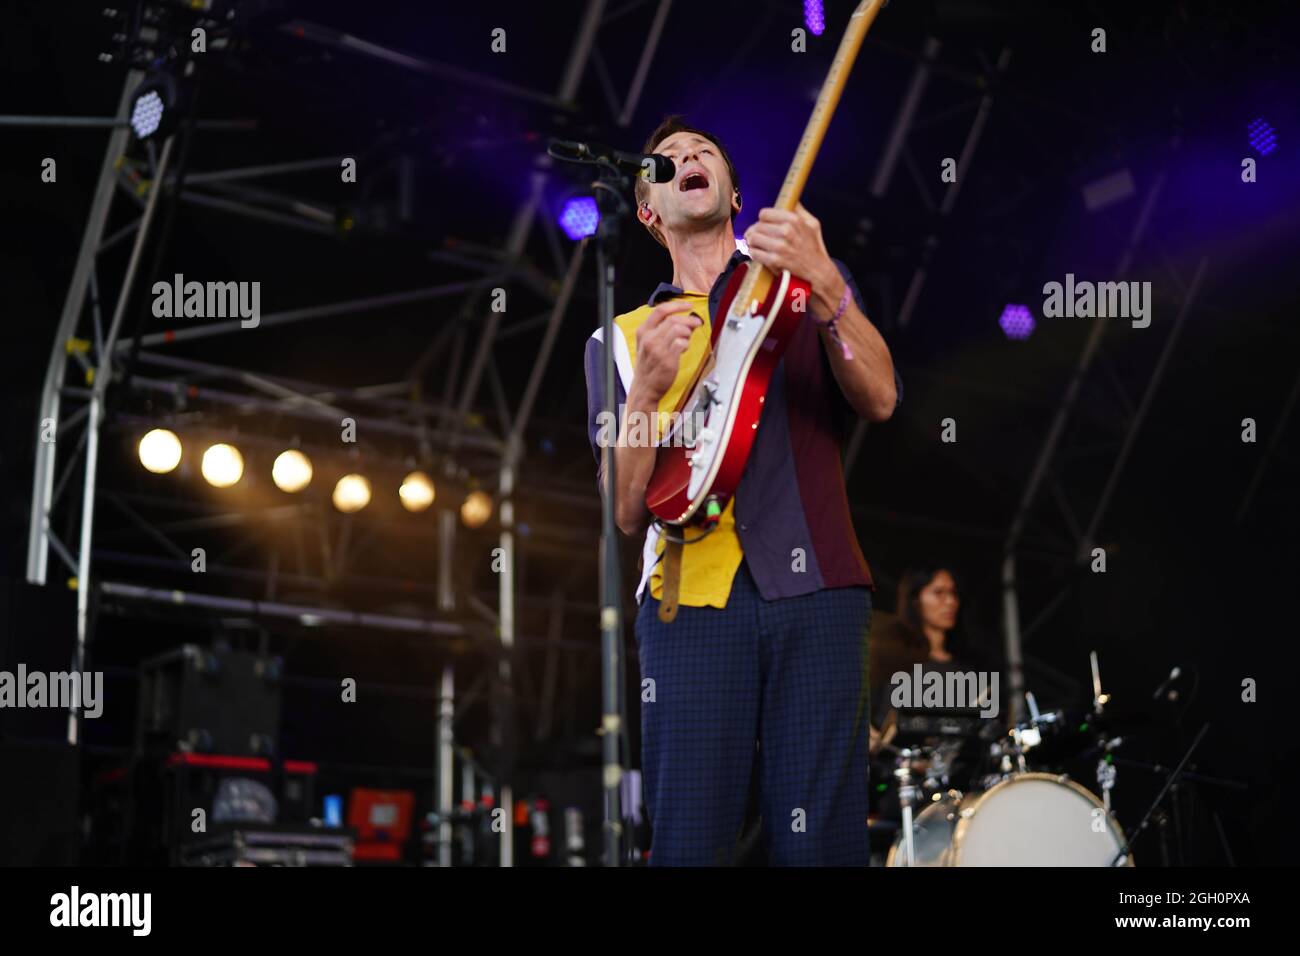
{"points": [[709, 566]]}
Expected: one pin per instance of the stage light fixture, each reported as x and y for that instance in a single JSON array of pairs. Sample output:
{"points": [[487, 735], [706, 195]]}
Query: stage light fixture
{"points": [[416, 491], [579, 217], [351, 493], [476, 509], [814, 16], [155, 106], [160, 451], [223, 465], [1262, 137], [291, 471], [1017, 322]]}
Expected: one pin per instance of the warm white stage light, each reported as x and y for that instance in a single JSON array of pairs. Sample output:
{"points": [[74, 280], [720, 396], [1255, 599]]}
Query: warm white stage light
{"points": [[223, 465], [160, 451], [291, 471], [416, 491], [477, 509], [352, 493]]}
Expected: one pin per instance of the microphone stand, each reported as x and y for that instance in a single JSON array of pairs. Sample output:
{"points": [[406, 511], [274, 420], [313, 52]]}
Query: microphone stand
{"points": [[610, 189], [1173, 779]]}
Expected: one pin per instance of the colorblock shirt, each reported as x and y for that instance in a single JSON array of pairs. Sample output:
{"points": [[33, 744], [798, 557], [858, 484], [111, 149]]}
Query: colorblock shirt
{"points": [[790, 515]]}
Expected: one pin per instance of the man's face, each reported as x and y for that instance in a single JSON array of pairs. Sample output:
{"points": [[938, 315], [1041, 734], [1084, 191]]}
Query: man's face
{"points": [[699, 196]]}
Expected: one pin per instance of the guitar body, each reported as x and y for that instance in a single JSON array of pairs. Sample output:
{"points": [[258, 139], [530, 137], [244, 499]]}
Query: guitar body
{"points": [[703, 455]]}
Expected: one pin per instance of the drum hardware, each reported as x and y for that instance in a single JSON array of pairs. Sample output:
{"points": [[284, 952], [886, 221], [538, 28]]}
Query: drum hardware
{"points": [[939, 772], [931, 832], [907, 793], [1187, 790], [1020, 815], [1106, 770], [1126, 850], [1099, 700]]}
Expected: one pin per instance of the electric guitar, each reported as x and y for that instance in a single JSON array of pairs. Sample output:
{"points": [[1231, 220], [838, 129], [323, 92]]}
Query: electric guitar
{"points": [[703, 453]]}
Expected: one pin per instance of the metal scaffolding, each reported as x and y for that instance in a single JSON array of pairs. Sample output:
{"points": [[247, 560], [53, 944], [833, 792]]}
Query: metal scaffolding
{"points": [[100, 356]]}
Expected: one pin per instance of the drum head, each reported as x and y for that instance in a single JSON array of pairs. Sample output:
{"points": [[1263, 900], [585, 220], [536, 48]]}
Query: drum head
{"points": [[1036, 819]]}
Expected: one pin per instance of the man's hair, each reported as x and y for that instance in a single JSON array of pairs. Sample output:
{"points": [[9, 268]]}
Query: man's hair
{"points": [[669, 126]]}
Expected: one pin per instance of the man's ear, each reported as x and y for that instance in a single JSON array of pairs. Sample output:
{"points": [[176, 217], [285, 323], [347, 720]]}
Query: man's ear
{"points": [[645, 213], [737, 199]]}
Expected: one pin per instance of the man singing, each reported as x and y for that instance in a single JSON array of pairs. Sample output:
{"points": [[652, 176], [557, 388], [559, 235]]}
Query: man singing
{"points": [[762, 674]]}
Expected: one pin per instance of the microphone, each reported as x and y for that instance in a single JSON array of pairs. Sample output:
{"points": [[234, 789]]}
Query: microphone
{"points": [[1164, 685], [652, 167]]}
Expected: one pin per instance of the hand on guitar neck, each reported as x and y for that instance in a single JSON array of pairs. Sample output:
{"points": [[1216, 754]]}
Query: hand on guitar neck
{"points": [[793, 240]]}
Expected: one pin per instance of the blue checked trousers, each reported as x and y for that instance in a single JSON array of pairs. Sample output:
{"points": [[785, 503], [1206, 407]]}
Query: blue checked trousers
{"points": [[772, 690]]}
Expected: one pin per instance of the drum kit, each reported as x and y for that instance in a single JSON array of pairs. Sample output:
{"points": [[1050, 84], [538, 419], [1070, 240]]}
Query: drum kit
{"points": [[1017, 811]]}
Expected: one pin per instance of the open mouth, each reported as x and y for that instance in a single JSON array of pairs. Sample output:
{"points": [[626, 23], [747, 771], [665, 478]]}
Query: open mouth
{"points": [[693, 180]]}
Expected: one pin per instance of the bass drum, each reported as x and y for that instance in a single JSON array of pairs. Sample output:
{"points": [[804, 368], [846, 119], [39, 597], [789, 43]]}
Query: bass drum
{"points": [[931, 834], [1035, 819]]}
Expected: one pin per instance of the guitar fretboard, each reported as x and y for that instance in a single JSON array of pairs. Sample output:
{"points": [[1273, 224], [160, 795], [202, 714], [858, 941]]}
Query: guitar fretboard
{"points": [[811, 141]]}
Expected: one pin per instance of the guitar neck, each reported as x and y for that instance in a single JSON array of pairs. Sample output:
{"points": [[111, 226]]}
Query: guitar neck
{"points": [[811, 141]]}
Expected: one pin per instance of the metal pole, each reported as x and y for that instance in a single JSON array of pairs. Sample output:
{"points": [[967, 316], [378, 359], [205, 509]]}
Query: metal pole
{"points": [[611, 609], [518, 239], [905, 117], [252, 212], [302, 613], [580, 53], [327, 36], [1011, 631], [310, 312], [274, 169], [43, 477], [1085, 544], [643, 66], [523, 224], [446, 767], [106, 122], [507, 627], [904, 121], [1279, 430], [1011, 617], [446, 555], [544, 354], [315, 392], [973, 137], [104, 375]]}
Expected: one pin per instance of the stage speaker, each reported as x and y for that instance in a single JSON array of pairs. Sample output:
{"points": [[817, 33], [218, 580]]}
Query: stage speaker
{"points": [[209, 701]]}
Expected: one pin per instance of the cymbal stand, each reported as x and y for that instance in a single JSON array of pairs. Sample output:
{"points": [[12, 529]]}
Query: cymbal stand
{"points": [[907, 794], [1106, 770]]}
